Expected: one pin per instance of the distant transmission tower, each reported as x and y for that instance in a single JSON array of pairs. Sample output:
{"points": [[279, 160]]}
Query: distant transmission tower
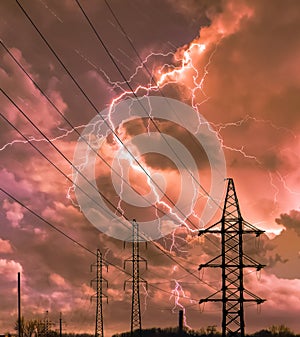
{"points": [[99, 280], [135, 259], [46, 323], [232, 261]]}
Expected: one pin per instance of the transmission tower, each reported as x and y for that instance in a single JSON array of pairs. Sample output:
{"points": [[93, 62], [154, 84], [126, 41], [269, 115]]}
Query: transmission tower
{"points": [[232, 262], [135, 259], [99, 280], [47, 324]]}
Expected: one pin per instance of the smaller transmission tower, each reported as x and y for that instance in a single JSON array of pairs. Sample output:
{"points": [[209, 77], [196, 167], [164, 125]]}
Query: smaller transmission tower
{"points": [[99, 280], [135, 259], [232, 262], [47, 324]]}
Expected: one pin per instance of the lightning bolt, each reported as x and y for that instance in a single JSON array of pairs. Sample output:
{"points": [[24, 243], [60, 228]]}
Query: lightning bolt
{"points": [[164, 78], [145, 297], [65, 134], [178, 293], [284, 183]]}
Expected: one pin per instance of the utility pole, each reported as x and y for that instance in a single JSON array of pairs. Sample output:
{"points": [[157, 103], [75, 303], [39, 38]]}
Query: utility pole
{"points": [[232, 262], [60, 324], [135, 259], [99, 332], [20, 332], [180, 323]]}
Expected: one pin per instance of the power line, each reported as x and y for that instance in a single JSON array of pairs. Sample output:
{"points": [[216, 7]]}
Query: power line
{"points": [[155, 244], [78, 243], [65, 176], [95, 108], [148, 114], [69, 162], [74, 80], [129, 40], [74, 128], [165, 253], [47, 222], [51, 162], [183, 267], [62, 154], [159, 89]]}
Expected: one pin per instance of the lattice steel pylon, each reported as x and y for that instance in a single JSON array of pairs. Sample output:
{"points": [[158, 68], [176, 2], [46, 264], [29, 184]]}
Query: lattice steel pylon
{"points": [[135, 259], [232, 261], [46, 324], [99, 280]]}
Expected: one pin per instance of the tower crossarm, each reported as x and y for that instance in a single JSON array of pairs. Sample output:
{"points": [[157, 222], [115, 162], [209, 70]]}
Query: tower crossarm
{"points": [[138, 259], [140, 281]]}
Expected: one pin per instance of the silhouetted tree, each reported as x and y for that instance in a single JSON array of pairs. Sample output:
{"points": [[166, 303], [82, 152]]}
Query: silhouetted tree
{"points": [[281, 330], [34, 328]]}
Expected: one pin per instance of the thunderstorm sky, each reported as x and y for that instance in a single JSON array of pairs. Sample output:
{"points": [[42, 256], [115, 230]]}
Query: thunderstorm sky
{"points": [[236, 62]]}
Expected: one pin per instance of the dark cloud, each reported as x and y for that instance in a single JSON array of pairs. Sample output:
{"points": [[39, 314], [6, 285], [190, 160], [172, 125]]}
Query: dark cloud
{"points": [[290, 221], [273, 260]]}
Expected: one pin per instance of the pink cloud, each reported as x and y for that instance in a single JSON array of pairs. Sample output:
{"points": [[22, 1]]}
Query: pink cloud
{"points": [[9, 269], [58, 280], [29, 98], [5, 247], [14, 212], [12, 182]]}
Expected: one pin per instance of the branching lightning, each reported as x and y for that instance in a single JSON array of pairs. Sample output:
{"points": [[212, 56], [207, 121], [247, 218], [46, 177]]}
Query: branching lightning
{"points": [[165, 75], [178, 293], [185, 73]]}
